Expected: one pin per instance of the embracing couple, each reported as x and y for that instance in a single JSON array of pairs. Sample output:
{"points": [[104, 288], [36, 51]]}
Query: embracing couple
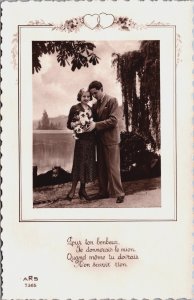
{"points": [[101, 130]]}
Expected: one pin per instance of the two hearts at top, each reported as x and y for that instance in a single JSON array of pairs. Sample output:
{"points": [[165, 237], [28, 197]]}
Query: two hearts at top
{"points": [[103, 20]]}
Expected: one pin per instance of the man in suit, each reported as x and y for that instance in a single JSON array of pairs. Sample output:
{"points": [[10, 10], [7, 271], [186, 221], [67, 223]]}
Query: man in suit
{"points": [[105, 115]]}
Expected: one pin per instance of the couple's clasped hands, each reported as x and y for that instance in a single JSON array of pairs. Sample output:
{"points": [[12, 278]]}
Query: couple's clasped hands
{"points": [[91, 126]]}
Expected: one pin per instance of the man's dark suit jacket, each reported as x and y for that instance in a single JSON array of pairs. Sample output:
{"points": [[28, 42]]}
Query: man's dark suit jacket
{"points": [[106, 115]]}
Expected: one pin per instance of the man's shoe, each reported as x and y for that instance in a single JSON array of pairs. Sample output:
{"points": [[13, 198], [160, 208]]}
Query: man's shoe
{"points": [[98, 197], [69, 198], [120, 199]]}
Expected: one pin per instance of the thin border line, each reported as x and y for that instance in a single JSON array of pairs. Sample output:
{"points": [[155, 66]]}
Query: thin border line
{"points": [[96, 220], [174, 144], [192, 58], [175, 121], [19, 122]]}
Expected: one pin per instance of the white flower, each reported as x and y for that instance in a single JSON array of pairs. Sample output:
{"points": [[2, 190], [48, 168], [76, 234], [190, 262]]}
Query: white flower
{"points": [[75, 137], [149, 146], [83, 116], [78, 129], [83, 120]]}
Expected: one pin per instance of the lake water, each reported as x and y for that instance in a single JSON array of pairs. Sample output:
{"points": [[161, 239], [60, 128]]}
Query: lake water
{"points": [[53, 148]]}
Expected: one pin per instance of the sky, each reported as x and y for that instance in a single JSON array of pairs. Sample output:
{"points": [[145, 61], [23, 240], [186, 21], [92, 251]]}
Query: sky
{"points": [[55, 88]]}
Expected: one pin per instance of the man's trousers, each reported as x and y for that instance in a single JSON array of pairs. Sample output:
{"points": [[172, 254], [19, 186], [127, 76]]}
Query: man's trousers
{"points": [[108, 160]]}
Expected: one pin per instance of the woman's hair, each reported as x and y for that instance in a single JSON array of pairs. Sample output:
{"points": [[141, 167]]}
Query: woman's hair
{"points": [[95, 85], [79, 95]]}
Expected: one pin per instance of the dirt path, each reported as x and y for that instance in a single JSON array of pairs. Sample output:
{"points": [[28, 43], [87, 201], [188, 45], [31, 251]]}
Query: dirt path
{"points": [[140, 193]]}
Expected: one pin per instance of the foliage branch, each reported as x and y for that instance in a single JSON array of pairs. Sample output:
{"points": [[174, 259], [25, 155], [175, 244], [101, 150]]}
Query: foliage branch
{"points": [[77, 54]]}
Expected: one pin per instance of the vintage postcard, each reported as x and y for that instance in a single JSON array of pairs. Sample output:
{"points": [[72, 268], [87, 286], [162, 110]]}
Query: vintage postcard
{"points": [[96, 149]]}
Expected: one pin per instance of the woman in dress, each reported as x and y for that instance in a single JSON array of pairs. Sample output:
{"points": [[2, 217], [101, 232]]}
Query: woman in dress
{"points": [[84, 165]]}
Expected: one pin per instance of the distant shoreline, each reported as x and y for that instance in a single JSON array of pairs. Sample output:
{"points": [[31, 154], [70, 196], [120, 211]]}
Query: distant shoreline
{"points": [[52, 131]]}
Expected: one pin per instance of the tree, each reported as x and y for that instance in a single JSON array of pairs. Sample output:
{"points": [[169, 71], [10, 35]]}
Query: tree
{"points": [[52, 126], [141, 110], [150, 85], [39, 125], [45, 123], [78, 54], [58, 125]]}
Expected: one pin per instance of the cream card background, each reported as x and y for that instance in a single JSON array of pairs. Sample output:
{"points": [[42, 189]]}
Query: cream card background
{"points": [[39, 248]]}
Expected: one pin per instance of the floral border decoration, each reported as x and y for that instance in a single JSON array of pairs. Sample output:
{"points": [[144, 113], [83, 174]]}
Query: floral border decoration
{"points": [[74, 24]]}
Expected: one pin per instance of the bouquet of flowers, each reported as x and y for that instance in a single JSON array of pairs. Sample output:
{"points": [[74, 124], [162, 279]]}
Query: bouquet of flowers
{"points": [[81, 122]]}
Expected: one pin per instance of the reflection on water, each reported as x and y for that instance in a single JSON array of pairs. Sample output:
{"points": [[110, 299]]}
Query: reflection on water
{"points": [[52, 148]]}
